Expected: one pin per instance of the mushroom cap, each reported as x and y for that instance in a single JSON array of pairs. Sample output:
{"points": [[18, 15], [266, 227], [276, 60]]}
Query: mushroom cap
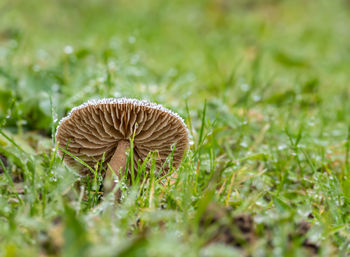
{"points": [[95, 128]]}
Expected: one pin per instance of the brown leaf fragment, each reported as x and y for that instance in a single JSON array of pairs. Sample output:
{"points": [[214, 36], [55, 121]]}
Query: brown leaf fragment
{"points": [[4, 161]]}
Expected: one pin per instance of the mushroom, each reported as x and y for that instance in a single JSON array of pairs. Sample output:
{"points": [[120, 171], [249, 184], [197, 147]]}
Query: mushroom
{"points": [[106, 126]]}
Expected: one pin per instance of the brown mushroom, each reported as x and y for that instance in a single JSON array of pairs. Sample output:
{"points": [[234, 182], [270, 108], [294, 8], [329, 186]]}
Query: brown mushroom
{"points": [[106, 126]]}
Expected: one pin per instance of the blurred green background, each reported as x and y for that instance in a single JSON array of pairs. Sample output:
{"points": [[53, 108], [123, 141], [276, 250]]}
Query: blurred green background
{"points": [[241, 52]]}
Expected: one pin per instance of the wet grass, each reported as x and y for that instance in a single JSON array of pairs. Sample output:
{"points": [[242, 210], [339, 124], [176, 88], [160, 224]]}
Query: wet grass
{"points": [[263, 87]]}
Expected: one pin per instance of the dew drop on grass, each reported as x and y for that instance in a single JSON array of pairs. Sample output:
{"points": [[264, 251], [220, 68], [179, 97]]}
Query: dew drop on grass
{"points": [[55, 87], [101, 79], [340, 202], [282, 147], [135, 59], [142, 87], [172, 147], [278, 251], [6, 209], [256, 98], [244, 144], [123, 185], [260, 203], [178, 233], [132, 39], [259, 219], [41, 54], [303, 212], [336, 132], [111, 64], [68, 49], [36, 68], [116, 94], [311, 123], [194, 198], [153, 89], [172, 72], [245, 87]]}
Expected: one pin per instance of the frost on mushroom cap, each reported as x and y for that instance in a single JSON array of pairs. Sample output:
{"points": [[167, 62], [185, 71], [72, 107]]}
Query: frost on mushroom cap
{"points": [[95, 127]]}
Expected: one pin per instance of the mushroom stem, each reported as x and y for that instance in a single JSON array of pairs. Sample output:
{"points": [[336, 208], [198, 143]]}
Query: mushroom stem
{"points": [[116, 164]]}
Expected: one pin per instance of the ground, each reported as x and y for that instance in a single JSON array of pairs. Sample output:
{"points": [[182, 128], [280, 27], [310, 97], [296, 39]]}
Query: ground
{"points": [[263, 87]]}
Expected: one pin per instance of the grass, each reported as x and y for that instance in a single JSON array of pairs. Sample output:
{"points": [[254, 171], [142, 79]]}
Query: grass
{"points": [[263, 87]]}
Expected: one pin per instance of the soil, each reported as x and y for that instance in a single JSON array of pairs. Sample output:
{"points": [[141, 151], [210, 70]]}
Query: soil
{"points": [[240, 230]]}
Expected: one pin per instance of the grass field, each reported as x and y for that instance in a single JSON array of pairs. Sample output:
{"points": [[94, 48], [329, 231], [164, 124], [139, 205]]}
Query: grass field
{"points": [[264, 89]]}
